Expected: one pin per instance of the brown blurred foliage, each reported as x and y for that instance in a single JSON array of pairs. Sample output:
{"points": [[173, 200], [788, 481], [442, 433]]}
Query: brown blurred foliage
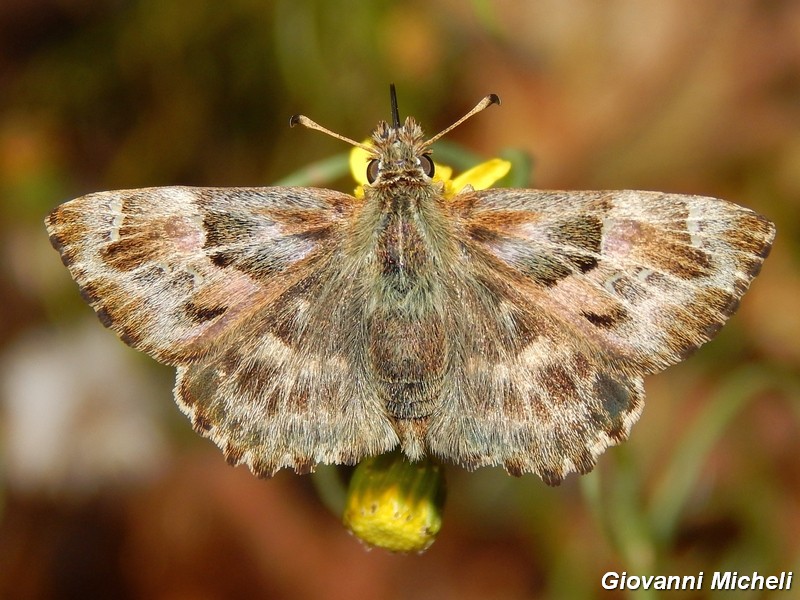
{"points": [[105, 490]]}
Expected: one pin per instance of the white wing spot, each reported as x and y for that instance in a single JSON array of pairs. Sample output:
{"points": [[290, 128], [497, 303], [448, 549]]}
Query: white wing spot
{"points": [[116, 209]]}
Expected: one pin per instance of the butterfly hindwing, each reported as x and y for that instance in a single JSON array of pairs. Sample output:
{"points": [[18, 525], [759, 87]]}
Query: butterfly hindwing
{"points": [[292, 391]]}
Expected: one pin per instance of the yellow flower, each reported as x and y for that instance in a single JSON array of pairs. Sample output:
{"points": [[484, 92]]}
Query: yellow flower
{"points": [[395, 504], [479, 177]]}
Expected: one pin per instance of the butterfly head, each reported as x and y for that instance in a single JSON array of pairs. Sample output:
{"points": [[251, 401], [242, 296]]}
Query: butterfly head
{"points": [[399, 153]]}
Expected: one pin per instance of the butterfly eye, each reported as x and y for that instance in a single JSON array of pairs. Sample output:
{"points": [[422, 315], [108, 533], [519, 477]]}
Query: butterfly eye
{"points": [[426, 164], [373, 168]]}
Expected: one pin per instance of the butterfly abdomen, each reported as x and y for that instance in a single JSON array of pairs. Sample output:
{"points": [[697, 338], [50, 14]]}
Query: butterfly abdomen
{"points": [[408, 355]]}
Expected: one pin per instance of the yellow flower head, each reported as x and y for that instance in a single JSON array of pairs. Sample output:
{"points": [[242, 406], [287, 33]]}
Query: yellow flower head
{"points": [[395, 504], [479, 177]]}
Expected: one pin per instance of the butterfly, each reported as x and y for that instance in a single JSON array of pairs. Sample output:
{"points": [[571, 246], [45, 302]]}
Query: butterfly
{"points": [[507, 327]]}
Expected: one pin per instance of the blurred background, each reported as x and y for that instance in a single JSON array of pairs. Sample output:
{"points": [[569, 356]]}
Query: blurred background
{"points": [[105, 491]]}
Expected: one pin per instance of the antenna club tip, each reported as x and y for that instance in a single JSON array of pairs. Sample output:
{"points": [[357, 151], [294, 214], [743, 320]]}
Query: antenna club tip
{"points": [[494, 99], [295, 120]]}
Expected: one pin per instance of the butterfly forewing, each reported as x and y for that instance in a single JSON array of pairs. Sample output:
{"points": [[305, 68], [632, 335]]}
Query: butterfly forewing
{"points": [[170, 270], [646, 276]]}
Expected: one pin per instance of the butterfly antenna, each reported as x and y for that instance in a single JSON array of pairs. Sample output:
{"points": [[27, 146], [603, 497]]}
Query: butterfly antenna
{"points": [[306, 122], [395, 112], [483, 104]]}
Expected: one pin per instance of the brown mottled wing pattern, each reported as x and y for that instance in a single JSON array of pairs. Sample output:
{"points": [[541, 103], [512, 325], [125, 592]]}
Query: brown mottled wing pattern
{"points": [[569, 299], [242, 289]]}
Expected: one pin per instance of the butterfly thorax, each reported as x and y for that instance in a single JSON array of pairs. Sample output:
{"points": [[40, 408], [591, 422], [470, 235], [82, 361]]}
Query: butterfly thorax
{"points": [[407, 221]]}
